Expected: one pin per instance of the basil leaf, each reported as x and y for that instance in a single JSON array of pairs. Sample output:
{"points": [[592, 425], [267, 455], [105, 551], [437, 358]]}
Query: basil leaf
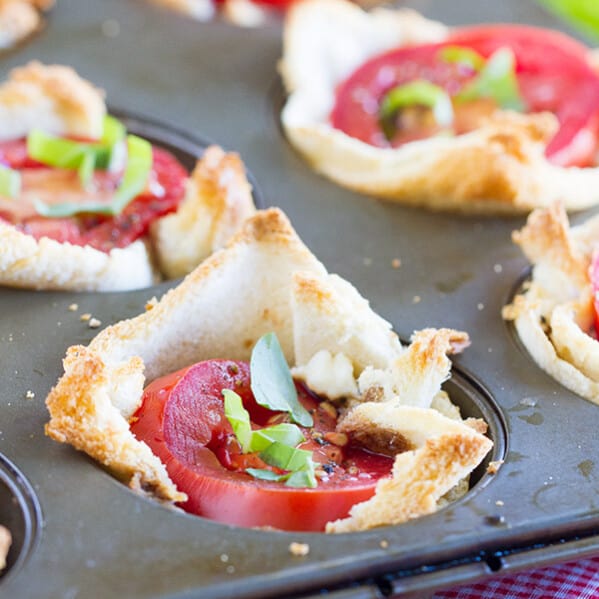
{"points": [[114, 131], [60, 152], [302, 479], [496, 80], [288, 458], [10, 182], [462, 55], [582, 14], [287, 434], [86, 168], [264, 474], [416, 93], [258, 440], [239, 419], [271, 380], [139, 165]]}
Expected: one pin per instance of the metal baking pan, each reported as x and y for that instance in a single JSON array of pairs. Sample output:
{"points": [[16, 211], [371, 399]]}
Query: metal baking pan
{"points": [[79, 533]]}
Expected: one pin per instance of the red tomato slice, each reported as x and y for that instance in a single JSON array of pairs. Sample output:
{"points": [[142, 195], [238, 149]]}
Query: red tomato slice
{"points": [[594, 276], [182, 420], [101, 232], [552, 69]]}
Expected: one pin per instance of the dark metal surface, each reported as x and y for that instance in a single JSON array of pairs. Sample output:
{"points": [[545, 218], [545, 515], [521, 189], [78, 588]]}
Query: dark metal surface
{"points": [[101, 540]]}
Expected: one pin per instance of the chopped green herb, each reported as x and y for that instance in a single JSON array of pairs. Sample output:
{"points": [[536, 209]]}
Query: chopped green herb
{"points": [[264, 474], [292, 459], [114, 131], [239, 419], [271, 380], [582, 14], [258, 440], [461, 55], [82, 156], [415, 93], [287, 434], [10, 182], [137, 171], [496, 80]]}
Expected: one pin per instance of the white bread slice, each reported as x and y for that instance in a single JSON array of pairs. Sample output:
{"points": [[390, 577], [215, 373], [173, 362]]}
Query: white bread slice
{"points": [[48, 264], [440, 453], [50, 97], [497, 168], [18, 20], [218, 200], [415, 377], [329, 314], [264, 280], [554, 313]]}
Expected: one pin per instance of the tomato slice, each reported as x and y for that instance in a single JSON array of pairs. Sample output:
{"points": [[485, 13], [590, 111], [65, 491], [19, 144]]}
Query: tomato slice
{"points": [[104, 233], [182, 420], [552, 70], [594, 276]]}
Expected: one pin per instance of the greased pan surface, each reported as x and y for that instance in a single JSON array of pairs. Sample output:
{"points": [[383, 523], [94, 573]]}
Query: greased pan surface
{"points": [[95, 538]]}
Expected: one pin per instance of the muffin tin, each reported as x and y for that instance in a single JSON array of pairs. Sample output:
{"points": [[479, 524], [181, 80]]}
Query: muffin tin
{"points": [[92, 537]]}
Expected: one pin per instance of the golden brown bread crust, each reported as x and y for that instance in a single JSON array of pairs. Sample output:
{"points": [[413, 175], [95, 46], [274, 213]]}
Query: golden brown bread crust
{"points": [[53, 97], [554, 314], [217, 201], [19, 19], [499, 168], [441, 452], [85, 417], [264, 280]]}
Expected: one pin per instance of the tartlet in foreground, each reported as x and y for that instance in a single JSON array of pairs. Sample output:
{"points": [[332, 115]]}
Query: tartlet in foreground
{"points": [[555, 315], [267, 282], [483, 119]]}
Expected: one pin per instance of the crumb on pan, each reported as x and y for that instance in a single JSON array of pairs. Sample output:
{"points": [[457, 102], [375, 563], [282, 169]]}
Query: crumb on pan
{"points": [[299, 549], [94, 323], [494, 466]]}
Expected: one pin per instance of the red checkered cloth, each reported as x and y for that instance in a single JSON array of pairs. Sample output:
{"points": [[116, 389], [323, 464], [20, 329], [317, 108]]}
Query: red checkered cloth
{"points": [[574, 580]]}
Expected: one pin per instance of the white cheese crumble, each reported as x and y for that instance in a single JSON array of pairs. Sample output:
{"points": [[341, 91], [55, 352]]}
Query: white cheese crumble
{"points": [[328, 375]]}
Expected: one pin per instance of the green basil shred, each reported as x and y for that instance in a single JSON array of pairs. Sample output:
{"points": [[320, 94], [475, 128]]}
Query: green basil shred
{"points": [[273, 388], [415, 93], [137, 171], [271, 380], [496, 80], [10, 182]]}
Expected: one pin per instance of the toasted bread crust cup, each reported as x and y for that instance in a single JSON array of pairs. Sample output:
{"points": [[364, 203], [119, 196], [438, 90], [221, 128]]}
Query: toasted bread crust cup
{"points": [[554, 314], [267, 280], [218, 198], [498, 168]]}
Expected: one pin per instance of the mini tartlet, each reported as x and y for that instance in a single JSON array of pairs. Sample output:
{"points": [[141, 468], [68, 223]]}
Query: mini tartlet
{"points": [[79, 239], [266, 281], [555, 315], [499, 164]]}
